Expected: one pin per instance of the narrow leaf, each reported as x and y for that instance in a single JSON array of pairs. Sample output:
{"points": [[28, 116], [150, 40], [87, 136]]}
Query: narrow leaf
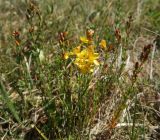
{"points": [[8, 102]]}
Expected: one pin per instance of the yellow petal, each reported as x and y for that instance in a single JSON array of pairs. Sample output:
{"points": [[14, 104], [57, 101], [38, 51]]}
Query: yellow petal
{"points": [[91, 70], [96, 62], [90, 49], [66, 55], [84, 39], [77, 50], [83, 54], [103, 44]]}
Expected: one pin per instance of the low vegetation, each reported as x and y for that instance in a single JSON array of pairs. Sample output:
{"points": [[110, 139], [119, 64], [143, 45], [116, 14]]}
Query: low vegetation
{"points": [[79, 70]]}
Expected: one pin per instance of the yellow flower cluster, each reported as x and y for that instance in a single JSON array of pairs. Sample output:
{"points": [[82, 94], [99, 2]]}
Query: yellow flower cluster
{"points": [[86, 59]]}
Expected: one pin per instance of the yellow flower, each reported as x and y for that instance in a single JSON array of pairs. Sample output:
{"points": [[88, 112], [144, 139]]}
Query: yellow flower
{"points": [[84, 40], [103, 44], [86, 60], [66, 55], [76, 50]]}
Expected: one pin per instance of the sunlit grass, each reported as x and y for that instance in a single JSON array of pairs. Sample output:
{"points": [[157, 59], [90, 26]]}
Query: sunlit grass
{"points": [[78, 69]]}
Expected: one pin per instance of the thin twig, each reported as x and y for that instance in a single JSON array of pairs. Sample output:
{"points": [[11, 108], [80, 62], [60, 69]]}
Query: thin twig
{"points": [[150, 31], [151, 69]]}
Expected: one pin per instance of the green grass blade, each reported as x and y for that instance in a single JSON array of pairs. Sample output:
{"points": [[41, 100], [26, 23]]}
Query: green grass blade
{"points": [[8, 102]]}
